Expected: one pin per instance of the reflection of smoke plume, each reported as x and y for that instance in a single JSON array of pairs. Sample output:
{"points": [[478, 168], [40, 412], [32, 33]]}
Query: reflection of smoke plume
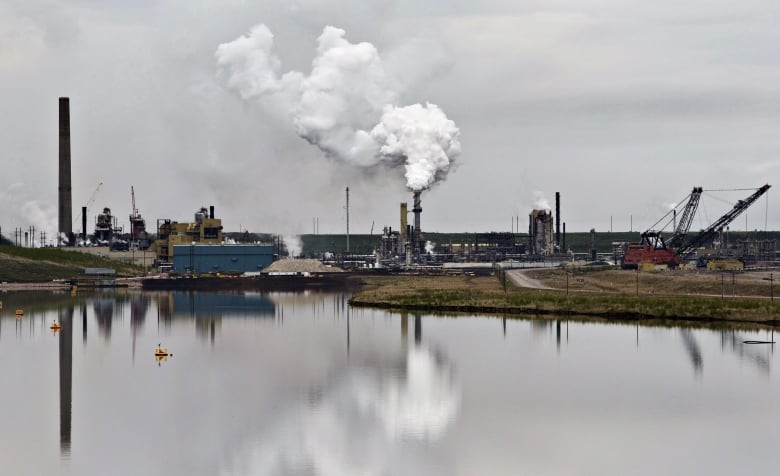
{"points": [[344, 106], [359, 421], [540, 201], [293, 244]]}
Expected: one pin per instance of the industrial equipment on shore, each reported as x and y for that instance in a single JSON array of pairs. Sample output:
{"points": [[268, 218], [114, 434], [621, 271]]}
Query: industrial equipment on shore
{"points": [[204, 230], [654, 249], [138, 235], [107, 231]]}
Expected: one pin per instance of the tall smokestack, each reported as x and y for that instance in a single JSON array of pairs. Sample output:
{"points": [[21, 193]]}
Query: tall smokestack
{"points": [[65, 224], [417, 210], [558, 219], [404, 218]]}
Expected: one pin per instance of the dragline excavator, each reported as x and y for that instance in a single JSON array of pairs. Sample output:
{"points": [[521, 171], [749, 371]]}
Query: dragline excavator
{"points": [[680, 247]]}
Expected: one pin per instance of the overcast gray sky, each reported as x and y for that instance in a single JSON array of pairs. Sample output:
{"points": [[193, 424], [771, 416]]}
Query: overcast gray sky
{"points": [[621, 106]]}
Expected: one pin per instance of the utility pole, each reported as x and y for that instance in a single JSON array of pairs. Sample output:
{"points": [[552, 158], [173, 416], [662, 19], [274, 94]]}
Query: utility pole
{"points": [[347, 219]]}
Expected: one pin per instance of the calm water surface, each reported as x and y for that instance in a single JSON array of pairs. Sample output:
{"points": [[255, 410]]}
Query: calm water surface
{"points": [[301, 384]]}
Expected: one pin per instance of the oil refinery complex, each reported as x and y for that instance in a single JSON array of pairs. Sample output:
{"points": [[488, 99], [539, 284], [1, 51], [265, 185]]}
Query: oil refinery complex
{"points": [[203, 247]]}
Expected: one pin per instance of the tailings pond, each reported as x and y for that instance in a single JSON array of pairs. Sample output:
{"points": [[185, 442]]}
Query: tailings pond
{"points": [[300, 384]]}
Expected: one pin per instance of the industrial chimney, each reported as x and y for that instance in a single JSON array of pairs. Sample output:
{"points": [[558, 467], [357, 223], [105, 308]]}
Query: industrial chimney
{"points": [[558, 219], [65, 225], [417, 210], [404, 224]]}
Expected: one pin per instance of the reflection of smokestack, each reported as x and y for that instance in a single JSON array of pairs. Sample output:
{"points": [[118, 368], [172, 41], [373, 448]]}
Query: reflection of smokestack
{"points": [[417, 210], [558, 219], [65, 224], [417, 330], [66, 377]]}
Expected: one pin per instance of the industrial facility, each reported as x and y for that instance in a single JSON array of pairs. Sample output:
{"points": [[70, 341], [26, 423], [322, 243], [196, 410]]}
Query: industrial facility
{"points": [[200, 246], [682, 248]]}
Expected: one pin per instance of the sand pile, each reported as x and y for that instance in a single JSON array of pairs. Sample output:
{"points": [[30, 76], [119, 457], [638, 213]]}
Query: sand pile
{"points": [[300, 266]]}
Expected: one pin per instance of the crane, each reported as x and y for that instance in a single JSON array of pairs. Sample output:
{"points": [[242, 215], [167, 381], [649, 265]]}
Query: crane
{"points": [[686, 250], [653, 249], [84, 211], [681, 232]]}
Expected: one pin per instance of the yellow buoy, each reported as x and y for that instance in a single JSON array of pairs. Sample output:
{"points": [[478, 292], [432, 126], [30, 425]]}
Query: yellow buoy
{"points": [[55, 326], [161, 352], [19, 312]]}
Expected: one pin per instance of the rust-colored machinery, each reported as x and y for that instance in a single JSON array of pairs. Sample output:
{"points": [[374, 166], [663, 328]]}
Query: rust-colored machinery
{"points": [[680, 247]]}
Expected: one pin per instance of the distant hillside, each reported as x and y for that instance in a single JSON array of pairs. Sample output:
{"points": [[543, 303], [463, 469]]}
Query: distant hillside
{"points": [[26, 265]]}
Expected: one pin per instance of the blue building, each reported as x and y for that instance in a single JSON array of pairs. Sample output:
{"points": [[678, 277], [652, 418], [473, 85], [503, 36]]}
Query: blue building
{"points": [[200, 259]]}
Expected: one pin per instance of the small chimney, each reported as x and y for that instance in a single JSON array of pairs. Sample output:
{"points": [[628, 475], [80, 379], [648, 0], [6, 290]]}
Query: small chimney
{"points": [[558, 219], [211, 211], [84, 223]]}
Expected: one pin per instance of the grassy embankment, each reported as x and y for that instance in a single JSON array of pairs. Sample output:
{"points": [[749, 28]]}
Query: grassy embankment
{"points": [[27, 265], [489, 295]]}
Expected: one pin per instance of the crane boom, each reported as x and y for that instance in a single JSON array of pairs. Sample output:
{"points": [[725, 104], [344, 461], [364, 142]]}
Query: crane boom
{"points": [[94, 194], [681, 232], [685, 251]]}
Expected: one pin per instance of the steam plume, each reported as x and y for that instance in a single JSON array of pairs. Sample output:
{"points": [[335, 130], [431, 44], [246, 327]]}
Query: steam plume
{"points": [[345, 106], [540, 201]]}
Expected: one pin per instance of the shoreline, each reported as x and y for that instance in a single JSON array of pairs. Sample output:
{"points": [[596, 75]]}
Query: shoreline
{"points": [[488, 295], [619, 316]]}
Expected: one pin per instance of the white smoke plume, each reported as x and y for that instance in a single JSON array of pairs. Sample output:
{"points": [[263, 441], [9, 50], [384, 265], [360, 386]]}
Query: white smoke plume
{"points": [[294, 245], [345, 106], [32, 212], [429, 247], [540, 201], [420, 137]]}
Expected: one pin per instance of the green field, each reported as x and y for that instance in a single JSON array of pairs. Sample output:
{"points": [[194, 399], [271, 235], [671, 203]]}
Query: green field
{"points": [[27, 265], [474, 294]]}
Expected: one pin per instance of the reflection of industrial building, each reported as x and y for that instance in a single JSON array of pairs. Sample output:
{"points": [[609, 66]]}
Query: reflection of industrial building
{"points": [[104, 315], [198, 304], [204, 230]]}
